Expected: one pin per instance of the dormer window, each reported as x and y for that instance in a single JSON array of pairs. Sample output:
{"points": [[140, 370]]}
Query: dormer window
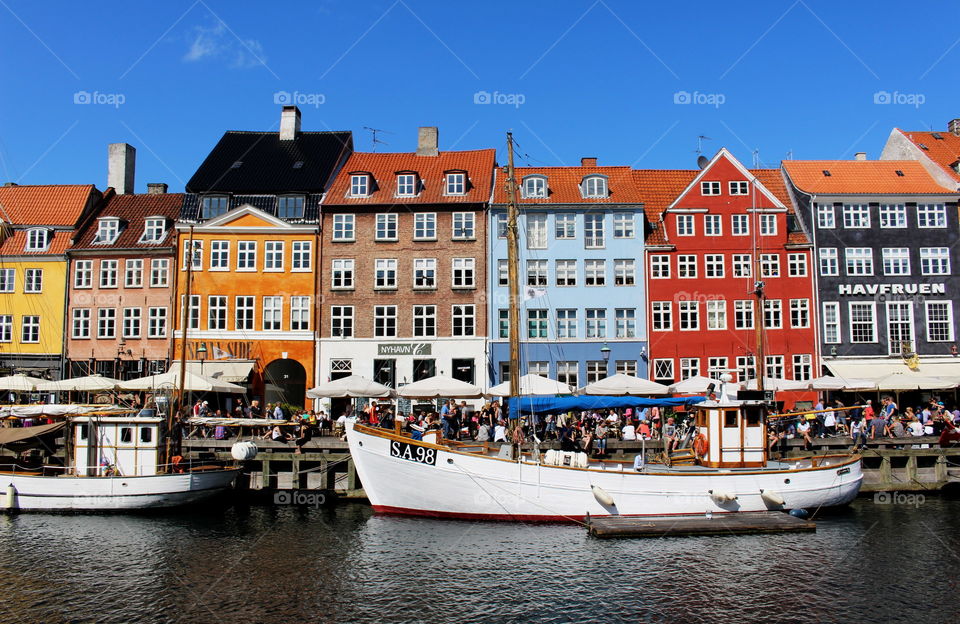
{"points": [[107, 231], [154, 229], [214, 206], [594, 186], [534, 187], [406, 184], [456, 183], [290, 207], [38, 239], [360, 185]]}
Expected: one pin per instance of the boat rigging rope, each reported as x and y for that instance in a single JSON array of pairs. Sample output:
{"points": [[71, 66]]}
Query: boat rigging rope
{"points": [[542, 506]]}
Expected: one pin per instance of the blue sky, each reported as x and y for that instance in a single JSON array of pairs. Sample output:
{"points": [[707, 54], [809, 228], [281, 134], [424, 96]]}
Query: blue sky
{"points": [[633, 83]]}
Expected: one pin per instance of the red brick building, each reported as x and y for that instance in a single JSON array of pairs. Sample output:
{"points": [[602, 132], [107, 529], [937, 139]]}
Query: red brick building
{"points": [[404, 265], [717, 232]]}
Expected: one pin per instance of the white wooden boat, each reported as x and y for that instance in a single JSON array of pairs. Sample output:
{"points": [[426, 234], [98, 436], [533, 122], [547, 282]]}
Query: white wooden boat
{"points": [[114, 466], [732, 474]]}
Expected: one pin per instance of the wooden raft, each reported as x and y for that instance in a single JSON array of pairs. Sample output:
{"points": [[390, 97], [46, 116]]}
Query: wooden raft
{"points": [[747, 523]]}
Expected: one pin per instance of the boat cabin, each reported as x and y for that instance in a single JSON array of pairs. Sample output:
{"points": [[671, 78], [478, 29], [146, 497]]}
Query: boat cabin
{"points": [[116, 445], [734, 435]]}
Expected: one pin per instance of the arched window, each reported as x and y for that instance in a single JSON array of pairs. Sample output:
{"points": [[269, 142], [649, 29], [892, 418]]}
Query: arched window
{"points": [[594, 186], [534, 187]]}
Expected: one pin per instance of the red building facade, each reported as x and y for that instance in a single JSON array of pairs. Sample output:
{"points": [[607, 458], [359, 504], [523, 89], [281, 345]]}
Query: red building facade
{"points": [[718, 232]]}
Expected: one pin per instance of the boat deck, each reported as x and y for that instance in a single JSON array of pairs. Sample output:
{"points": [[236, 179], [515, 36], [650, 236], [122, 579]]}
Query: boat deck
{"points": [[614, 527]]}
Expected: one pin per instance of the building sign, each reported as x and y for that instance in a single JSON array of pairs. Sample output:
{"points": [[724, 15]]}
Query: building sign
{"points": [[410, 348], [892, 289]]}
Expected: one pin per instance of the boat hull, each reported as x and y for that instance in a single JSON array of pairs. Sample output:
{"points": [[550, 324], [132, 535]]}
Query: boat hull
{"points": [[72, 493], [463, 485]]}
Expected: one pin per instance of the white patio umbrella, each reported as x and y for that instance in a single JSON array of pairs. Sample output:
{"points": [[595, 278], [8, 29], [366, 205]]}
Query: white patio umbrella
{"points": [[354, 386], [695, 385], [624, 385], [839, 383], [191, 383], [90, 383], [777, 384], [20, 383], [532, 385], [440, 387], [909, 381]]}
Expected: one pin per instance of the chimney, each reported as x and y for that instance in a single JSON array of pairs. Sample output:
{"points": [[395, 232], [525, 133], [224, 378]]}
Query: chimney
{"points": [[588, 161], [121, 163], [428, 138], [156, 188], [860, 156], [953, 126], [289, 123]]}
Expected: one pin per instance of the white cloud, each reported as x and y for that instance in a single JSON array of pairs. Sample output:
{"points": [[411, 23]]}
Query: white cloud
{"points": [[217, 42]]}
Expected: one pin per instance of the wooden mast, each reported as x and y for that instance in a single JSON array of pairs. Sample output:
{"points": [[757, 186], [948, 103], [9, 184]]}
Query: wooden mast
{"points": [[760, 321], [512, 278], [184, 324]]}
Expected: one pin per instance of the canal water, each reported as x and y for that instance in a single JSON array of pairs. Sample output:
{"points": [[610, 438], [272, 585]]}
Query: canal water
{"points": [[879, 560]]}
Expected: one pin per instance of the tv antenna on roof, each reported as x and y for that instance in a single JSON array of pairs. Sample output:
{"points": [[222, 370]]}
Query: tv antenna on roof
{"points": [[373, 136], [700, 140]]}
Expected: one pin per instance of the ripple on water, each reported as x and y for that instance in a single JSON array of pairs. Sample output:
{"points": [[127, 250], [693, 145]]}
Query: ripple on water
{"points": [[266, 564]]}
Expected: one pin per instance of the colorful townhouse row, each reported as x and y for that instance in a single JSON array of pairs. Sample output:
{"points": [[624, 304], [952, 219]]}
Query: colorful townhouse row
{"points": [[310, 261]]}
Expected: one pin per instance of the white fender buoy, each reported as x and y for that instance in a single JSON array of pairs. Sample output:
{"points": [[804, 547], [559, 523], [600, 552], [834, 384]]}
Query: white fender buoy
{"points": [[771, 498], [11, 499], [720, 496], [602, 496], [244, 451]]}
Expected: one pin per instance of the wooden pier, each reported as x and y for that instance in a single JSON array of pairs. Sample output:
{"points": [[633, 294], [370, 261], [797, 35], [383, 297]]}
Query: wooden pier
{"points": [[748, 523], [888, 464]]}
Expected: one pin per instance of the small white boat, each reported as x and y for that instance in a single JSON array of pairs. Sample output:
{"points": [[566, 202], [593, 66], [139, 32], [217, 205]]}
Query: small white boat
{"points": [[114, 466]]}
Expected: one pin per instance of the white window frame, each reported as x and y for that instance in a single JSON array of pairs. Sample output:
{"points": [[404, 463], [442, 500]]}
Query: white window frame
{"points": [[133, 273], [109, 277], [594, 186], [594, 272], [217, 313], [831, 322], [594, 236], [895, 260], [686, 225], [623, 225], [663, 369], [455, 183], [660, 266], [534, 187], [948, 306], [930, 216], [132, 322], [773, 314], [893, 216], [624, 272], [687, 263], [424, 321], [82, 274], [30, 329], [565, 226], [80, 323], [342, 272], [272, 313], [425, 226], [740, 225], [799, 313], [388, 267], [858, 261], [826, 217], [712, 225], [716, 314], [688, 315], [708, 188], [38, 239], [565, 273], [301, 256], [244, 312], [108, 229], [595, 321], [768, 225], [387, 227], [743, 314], [739, 187], [407, 185], [463, 320], [856, 216], [566, 323], [385, 321], [344, 228], [625, 322], [464, 226], [935, 261], [797, 265], [220, 255], [106, 322], [741, 265], [273, 256], [463, 273], [341, 321], [157, 322], [866, 305], [33, 280], [360, 185], [769, 265], [247, 256], [159, 272], [661, 316], [714, 266], [425, 273], [154, 230], [829, 261]]}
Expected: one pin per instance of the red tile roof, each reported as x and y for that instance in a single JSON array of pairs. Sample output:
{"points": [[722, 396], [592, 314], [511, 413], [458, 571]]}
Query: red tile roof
{"points": [[563, 185], [53, 204], [862, 177], [478, 164], [658, 188], [132, 210], [944, 151], [17, 243]]}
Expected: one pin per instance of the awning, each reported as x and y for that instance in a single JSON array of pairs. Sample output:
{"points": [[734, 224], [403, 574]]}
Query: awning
{"points": [[18, 434], [539, 405], [874, 369], [234, 371]]}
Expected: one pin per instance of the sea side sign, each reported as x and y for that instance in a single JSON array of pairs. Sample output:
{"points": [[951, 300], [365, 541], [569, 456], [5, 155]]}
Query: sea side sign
{"points": [[404, 348], [892, 289]]}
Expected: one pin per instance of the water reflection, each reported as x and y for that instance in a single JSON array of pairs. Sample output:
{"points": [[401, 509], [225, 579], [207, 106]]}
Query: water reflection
{"points": [[286, 564]]}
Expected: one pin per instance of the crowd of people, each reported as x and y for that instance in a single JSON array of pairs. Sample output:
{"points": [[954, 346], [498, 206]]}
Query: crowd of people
{"points": [[864, 422]]}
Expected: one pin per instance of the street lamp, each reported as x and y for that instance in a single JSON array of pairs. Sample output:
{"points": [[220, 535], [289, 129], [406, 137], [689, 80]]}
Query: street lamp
{"points": [[605, 352], [202, 354]]}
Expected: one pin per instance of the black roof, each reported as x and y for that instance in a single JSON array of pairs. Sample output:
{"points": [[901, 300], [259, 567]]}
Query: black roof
{"points": [[269, 165]]}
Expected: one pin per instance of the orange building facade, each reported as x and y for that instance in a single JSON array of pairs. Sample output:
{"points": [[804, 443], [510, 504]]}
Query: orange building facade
{"points": [[251, 310]]}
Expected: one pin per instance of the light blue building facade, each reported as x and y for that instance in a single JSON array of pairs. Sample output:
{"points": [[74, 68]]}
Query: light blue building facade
{"points": [[581, 275]]}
